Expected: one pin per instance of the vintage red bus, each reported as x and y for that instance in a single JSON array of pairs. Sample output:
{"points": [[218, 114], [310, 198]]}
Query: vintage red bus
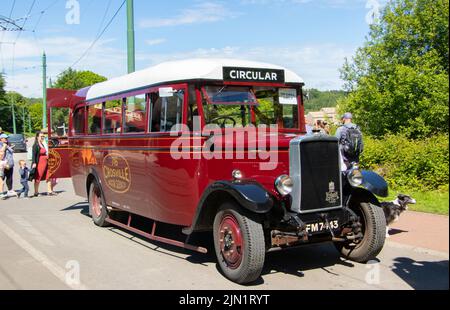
{"points": [[136, 148]]}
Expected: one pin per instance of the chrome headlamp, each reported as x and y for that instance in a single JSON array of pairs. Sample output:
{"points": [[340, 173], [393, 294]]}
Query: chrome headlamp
{"points": [[355, 177], [284, 185], [237, 175]]}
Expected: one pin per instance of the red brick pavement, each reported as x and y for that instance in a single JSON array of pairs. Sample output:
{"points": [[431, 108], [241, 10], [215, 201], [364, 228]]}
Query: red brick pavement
{"points": [[422, 230]]}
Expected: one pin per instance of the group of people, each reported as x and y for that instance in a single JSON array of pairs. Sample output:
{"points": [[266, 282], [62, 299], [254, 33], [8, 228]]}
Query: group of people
{"points": [[348, 134], [37, 173]]}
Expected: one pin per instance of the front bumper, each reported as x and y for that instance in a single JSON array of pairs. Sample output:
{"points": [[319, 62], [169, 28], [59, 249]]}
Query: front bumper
{"points": [[334, 225]]}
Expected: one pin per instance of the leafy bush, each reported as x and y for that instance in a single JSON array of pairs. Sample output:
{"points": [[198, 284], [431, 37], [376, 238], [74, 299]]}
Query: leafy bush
{"points": [[420, 164]]}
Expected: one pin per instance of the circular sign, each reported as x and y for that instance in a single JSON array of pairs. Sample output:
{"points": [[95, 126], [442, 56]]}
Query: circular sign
{"points": [[54, 161], [116, 172]]}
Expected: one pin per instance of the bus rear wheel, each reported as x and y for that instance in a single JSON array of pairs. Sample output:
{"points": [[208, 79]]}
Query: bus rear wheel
{"points": [[97, 205], [239, 244]]}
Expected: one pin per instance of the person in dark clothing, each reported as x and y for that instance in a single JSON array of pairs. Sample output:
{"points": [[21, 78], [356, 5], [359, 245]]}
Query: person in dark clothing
{"points": [[40, 163], [24, 174], [350, 140]]}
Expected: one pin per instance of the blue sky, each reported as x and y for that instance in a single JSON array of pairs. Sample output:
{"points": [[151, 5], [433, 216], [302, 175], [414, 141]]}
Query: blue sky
{"points": [[311, 37]]}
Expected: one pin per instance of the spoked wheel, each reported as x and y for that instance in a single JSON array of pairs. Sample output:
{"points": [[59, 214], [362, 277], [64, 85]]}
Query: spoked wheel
{"points": [[374, 235], [239, 244], [97, 205], [230, 241]]}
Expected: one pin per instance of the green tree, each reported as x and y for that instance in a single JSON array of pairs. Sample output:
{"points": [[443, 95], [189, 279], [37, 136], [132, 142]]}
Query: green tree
{"points": [[35, 111], [398, 81], [317, 99], [74, 80]]}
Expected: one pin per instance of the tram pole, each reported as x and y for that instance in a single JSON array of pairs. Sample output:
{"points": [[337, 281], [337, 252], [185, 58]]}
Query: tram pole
{"points": [[13, 111], [130, 37], [24, 125], [29, 122], [44, 91]]}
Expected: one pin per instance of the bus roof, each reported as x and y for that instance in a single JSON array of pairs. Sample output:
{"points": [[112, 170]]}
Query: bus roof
{"points": [[176, 71]]}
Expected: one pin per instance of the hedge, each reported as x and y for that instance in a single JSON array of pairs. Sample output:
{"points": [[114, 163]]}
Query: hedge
{"points": [[420, 164]]}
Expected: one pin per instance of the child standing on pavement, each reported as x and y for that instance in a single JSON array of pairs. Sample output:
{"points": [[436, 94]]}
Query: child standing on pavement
{"points": [[24, 174]]}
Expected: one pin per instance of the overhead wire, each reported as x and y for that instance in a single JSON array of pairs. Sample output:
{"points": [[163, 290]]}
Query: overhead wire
{"points": [[98, 36], [3, 36]]}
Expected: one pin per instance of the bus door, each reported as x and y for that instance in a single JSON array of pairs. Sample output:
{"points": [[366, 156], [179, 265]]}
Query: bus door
{"points": [[58, 111]]}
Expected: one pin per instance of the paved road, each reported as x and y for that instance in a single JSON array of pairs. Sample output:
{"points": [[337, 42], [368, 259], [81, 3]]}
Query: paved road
{"points": [[51, 243]]}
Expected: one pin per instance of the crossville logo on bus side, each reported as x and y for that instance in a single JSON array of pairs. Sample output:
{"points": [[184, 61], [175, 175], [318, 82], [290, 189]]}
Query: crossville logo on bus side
{"points": [[116, 171], [54, 161]]}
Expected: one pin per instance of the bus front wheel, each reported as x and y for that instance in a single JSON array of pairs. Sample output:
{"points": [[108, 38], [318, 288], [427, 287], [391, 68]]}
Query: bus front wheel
{"points": [[97, 205], [239, 243]]}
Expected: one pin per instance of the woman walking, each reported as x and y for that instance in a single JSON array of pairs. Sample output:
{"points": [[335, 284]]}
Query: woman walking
{"points": [[40, 163]]}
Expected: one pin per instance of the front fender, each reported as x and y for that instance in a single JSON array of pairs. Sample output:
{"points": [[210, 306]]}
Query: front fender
{"points": [[358, 195], [375, 183], [250, 195]]}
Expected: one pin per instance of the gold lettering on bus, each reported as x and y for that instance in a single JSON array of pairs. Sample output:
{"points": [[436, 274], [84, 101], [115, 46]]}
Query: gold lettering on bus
{"points": [[116, 172]]}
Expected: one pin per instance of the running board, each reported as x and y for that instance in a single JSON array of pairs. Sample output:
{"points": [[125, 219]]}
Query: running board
{"points": [[152, 236]]}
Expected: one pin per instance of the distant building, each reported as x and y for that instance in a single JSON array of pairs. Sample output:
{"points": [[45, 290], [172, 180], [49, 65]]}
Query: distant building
{"points": [[325, 114]]}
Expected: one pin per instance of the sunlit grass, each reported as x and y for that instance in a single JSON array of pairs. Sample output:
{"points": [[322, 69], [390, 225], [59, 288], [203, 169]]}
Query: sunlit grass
{"points": [[436, 202]]}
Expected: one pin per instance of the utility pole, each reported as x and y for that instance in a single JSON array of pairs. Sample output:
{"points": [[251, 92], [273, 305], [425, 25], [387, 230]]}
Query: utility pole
{"points": [[23, 121], [29, 122], [130, 36], [13, 110], [44, 91]]}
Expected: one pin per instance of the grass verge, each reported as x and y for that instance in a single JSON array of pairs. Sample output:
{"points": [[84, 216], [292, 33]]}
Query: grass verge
{"points": [[436, 202]]}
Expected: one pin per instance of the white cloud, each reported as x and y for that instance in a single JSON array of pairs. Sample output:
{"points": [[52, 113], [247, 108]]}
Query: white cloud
{"points": [[61, 53], [320, 3], [154, 42], [205, 12], [317, 64]]}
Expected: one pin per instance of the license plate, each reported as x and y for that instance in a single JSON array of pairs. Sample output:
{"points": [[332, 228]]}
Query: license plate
{"points": [[319, 227]]}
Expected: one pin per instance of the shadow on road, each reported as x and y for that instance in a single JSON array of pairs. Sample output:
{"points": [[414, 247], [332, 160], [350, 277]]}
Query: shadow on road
{"points": [[395, 231], [82, 206], [293, 261], [296, 260], [422, 275]]}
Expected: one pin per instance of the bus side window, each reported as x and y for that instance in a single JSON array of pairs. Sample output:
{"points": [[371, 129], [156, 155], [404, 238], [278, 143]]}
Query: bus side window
{"points": [[192, 108], [78, 121], [95, 119], [156, 114], [112, 119], [173, 113], [135, 112]]}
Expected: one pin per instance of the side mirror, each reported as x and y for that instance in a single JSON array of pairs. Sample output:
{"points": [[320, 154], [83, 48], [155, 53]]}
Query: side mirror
{"points": [[166, 92]]}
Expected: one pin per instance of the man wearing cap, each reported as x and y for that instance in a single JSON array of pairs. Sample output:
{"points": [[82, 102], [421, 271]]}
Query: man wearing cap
{"points": [[9, 171], [350, 140]]}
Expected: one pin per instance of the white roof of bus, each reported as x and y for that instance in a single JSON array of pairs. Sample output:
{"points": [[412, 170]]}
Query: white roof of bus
{"points": [[191, 69]]}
